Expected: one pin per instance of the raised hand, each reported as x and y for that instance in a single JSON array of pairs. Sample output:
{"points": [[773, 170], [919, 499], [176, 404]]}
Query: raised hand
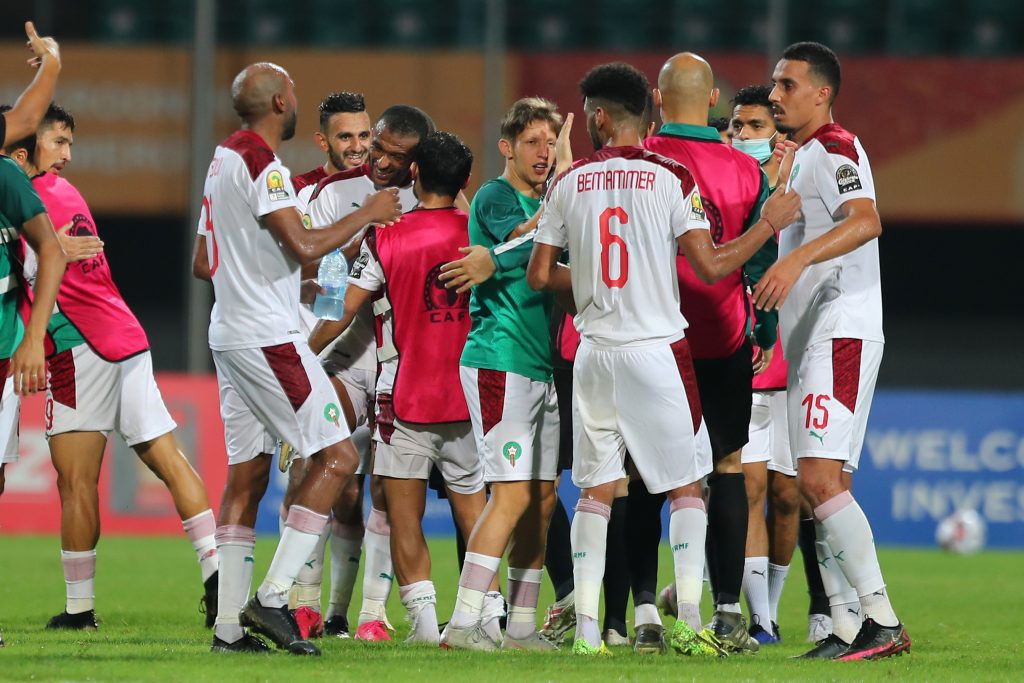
{"points": [[40, 46]]}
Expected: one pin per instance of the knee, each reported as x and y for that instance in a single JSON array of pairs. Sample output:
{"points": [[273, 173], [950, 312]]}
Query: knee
{"points": [[817, 489], [785, 494]]}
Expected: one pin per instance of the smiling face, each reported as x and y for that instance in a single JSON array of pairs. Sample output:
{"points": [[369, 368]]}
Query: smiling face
{"points": [[390, 157], [346, 139], [53, 148], [531, 155]]}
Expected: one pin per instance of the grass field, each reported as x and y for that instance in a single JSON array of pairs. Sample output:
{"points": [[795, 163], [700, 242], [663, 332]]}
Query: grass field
{"points": [[961, 612]]}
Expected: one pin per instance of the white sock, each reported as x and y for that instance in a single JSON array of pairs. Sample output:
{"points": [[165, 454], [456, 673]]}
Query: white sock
{"points": [[201, 530], [79, 579], [842, 598], [777, 574], [378, 574], [589, 537], [849, 536], [300, 536], [477, 574], [687, 532], [491, 614], [755, 587], [420, 601], [646, 613], [235, 546], [523, 593], [346, 548], [306, 591]]}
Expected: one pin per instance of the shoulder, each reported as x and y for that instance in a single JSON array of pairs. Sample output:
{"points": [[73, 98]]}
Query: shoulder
{"points": [[254, 151], [310, 177], [493, 189], [834, 139], [340, 180]]}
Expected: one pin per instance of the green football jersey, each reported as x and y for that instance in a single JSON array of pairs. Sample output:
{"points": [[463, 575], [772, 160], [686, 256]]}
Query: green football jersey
{"points": [[509, 320], [18, 204]]}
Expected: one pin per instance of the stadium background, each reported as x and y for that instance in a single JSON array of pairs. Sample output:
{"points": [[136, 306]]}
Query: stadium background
{"points": [[934, 88]]}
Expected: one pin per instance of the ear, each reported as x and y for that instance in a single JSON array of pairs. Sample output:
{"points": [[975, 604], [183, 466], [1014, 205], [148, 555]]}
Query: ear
{"points": [[505, 147], [414, 170], [715, 93], [824, 94], [277, 102], [656, 94], [321, 141]]}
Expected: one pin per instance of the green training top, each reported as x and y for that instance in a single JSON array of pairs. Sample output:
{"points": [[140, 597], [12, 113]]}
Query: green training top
{"points": [[19, 203], [510, 320]]}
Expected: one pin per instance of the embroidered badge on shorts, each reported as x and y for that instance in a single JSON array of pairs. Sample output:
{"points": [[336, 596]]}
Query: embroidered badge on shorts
{"points": [[512, 452], [331, 413]]}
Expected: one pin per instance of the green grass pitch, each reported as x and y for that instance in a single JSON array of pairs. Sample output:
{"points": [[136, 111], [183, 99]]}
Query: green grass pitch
{"points": [[963, 614]]}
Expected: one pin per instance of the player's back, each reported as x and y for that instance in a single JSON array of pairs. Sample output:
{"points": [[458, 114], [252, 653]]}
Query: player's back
{"points": [[256, 282], [622, 210]]}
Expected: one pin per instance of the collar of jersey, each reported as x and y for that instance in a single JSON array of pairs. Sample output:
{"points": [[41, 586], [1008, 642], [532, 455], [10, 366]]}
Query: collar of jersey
{"points": [[688, 130]]}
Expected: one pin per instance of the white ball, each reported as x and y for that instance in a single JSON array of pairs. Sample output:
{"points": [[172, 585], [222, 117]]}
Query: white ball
{"points": [[963, 532]]}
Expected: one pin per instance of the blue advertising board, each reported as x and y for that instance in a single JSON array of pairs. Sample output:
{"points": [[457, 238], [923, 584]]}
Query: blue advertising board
{"points": [[926, 455]]}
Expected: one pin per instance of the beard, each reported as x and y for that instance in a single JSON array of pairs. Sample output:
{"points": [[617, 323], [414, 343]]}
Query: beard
{"points": [[289, 127], [595, 135]]}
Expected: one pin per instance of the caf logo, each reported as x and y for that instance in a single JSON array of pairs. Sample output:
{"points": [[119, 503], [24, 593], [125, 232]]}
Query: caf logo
{"points": [[443, 304], [81, 226], [714, 216]]}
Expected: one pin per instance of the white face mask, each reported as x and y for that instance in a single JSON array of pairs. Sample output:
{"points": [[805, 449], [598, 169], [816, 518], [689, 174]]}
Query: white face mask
{"points": [[761, 149]]}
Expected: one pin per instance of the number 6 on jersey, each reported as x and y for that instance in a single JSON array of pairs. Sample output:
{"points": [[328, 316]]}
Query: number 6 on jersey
{"points": [[608, 238]]}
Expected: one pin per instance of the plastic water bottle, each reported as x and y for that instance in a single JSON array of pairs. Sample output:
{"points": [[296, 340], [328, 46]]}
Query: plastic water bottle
{"points": [[332, 276]]}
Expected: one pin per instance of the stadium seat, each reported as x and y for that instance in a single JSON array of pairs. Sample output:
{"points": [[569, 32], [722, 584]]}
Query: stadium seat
{"points": [[547, 24], [919, 27], [338, 23], [847, 26], [701, 25], [991, 28], [411, 24], [124, 21], [628, 25]]}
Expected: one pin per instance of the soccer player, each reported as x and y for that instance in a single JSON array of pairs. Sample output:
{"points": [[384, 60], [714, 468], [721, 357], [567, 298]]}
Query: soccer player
{"points": [[101, 380], [733, 189], [506, 376], [252, 244], [622, 214], [353, 363], [344, 135], [826, 283], [768, 467], [430, 328]]}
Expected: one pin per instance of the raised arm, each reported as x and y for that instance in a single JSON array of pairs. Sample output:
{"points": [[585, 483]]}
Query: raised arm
{"points": [[23, 118], [307, 246], [327, 331]]}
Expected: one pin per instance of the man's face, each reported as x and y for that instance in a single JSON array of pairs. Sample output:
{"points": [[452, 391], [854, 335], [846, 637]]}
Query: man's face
{"points": [[390, 156], [291, 111], [796, 94], [347, 139], [53, 148], [532, 153], [752, 122], [592, 128]]}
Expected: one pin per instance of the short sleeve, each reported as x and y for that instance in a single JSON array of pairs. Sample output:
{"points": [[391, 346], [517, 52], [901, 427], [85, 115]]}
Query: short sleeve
{"points": [[272, 190], [366, 272], [19, 201], [839, 178], [498, 211], [687, 212], [551, 228]]}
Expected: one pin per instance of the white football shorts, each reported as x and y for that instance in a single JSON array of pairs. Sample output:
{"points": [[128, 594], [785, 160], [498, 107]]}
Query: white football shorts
{"points": [[10, 411], [413, 449], [769, 433]]}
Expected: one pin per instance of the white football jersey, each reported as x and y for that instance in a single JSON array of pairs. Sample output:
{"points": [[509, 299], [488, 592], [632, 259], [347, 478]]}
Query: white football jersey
{"points": [[336, 197], [368, 274], [841, 297], [255, 280], [618, 214]]}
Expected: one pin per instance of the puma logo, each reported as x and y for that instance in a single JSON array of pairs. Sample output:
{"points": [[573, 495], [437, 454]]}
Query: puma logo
{"points": [[819, 437], [761, 574], [855, 612]]}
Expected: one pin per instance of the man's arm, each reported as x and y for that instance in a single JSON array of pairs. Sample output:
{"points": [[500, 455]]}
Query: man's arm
{"points": [[545, 273], [23, 118], [28, 364], [307, 246], [200, 260], [327, 331], [859, 226]]}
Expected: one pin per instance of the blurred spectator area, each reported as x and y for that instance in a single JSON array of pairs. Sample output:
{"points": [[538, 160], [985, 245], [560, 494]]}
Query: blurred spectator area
{"points": [[895, 27]]}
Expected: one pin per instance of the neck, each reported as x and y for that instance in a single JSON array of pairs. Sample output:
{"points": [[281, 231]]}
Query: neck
{"points": [[807, 130], [329, 168], [519, 183], [267, 130], [771, 169], [624, 136], [431, 200], [691, 116]]}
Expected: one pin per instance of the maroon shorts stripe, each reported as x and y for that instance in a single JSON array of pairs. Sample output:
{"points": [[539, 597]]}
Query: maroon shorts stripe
{"points": [[846, 371], [286, 364], [490, 385], [681, 351], [62, 378], [385, 417]]}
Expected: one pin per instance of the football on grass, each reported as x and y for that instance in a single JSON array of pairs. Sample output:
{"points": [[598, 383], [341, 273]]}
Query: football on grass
{"points": [[962, 532]]}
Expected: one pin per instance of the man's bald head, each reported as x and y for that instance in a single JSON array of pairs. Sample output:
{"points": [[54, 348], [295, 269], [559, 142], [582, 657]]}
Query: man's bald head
{"points": [[686, 82], [254, 88]]}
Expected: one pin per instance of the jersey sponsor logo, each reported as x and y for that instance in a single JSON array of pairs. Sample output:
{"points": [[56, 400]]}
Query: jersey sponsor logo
{"points": [[847, 179], [443, 305], [697, 208], [512, 451], [275, 186], [332, 413], [359, 265], [793, 174]]}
